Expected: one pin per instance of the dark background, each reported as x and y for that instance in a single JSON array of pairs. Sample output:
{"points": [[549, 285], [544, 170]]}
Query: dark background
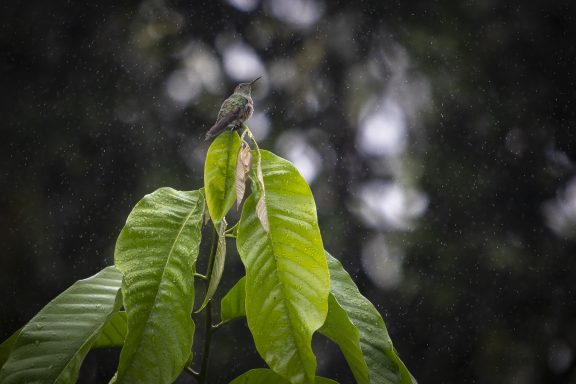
{"points": [[438, 138]]}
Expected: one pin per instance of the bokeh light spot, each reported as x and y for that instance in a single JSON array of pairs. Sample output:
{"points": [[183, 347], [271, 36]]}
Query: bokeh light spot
{"points": [[382, 263], [383, 133], [242, 63], [305, 158]]}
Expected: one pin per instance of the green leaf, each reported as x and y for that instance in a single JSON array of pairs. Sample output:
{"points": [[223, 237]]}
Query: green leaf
{"points": [[339, 328], [220, 174], [156, 251], [7, 345], [232, 305], [349, 307], [267, 376], [114, 331], [217, 268], [287, 279], [52, 346]]}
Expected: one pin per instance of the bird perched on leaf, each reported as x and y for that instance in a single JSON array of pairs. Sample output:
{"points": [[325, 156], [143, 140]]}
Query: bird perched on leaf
{"points": [[235, 110]]}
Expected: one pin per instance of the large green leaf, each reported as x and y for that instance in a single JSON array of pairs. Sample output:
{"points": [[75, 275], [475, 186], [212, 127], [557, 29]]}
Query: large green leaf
{"points": [[356, 326], [349, 306], [156, 251], [220, 174], [232, 305], [287, 279], [52, 346], [267, 376]]}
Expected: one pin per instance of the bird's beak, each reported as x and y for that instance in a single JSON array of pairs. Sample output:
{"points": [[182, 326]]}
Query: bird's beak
{"points": [[256, 79]]}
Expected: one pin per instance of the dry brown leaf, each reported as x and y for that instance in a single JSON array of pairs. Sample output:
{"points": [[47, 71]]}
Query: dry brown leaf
{"points": [[262, 212], [260, 176], [243, 164]]}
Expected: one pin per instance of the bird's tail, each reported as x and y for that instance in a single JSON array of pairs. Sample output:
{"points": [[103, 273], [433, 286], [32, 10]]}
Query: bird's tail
{"points": [[220, 125], [215, 130]]}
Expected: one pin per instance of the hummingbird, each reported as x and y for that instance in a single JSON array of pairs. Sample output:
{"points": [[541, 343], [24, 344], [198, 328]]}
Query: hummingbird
{"points": [[235, 110]]}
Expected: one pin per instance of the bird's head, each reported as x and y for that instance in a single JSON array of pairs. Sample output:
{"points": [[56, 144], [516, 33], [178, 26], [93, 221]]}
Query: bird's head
{"points": [[245, 88]]}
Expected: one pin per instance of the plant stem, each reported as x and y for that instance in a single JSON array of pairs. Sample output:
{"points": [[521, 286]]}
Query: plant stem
{"points": [[216, 327], [232, 229], [207, 340], [208, 321]]}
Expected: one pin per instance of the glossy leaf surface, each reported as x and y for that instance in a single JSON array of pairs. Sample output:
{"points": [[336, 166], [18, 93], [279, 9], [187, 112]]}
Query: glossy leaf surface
{"points": [[156, 251], [52, 346], [363, 342], [287, 279], [220, 174]]}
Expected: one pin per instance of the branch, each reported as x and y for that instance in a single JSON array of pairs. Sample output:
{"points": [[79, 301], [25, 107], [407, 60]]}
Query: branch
{"points": [[203, 375]]}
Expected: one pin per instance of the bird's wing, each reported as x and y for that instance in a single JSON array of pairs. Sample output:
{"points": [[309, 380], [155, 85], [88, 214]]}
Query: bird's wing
{"points": [[223, 122]]}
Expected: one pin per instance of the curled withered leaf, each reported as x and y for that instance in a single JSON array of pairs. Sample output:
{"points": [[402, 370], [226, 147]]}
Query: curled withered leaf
{"points": [[240, 182], [246, 157], [260, 177], [242, 168], [262, 212]]}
